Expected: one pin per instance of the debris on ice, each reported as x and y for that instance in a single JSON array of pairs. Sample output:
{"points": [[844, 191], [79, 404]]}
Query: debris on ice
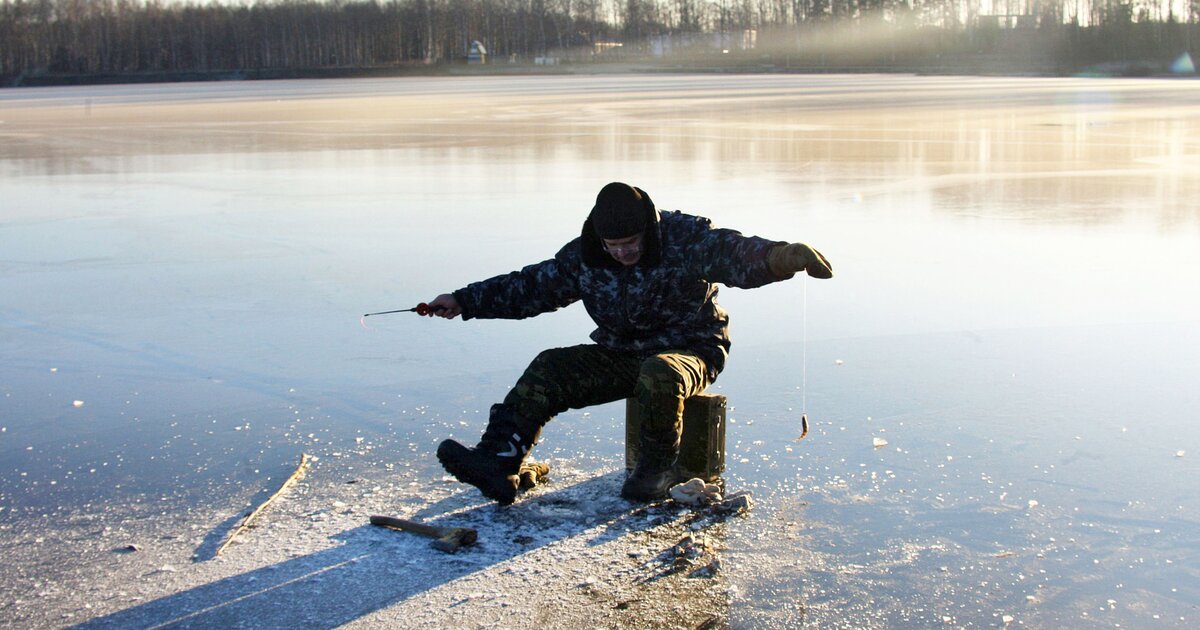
{"points": [[696, 492]]}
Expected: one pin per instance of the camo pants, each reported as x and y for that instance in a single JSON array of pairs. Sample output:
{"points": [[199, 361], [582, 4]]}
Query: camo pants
{"points": [[581, 376]]}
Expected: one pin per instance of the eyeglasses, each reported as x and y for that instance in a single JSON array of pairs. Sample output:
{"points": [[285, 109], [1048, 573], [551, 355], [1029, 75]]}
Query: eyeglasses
{"points": [[626, 249]]}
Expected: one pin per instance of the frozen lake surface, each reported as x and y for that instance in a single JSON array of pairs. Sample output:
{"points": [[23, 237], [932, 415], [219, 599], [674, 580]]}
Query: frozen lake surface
{"points": [[1014, 317]]}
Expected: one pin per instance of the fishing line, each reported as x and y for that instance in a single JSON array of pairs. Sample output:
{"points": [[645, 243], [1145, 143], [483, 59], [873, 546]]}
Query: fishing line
{"points": [[804, 350]]}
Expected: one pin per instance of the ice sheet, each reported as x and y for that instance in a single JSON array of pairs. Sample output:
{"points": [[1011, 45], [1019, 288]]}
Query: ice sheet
{"points": [[1013, 313]]}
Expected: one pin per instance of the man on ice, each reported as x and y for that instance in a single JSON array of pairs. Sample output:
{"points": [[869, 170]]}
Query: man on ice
{"points": [[648, 280]]}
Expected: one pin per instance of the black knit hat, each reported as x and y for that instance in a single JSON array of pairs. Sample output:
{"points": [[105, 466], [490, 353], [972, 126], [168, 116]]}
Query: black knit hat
{"points": [[620, 211]]}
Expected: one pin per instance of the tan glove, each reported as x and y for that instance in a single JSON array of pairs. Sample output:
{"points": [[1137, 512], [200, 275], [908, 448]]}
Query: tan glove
{"points": [[532, 473], [786, 260]]}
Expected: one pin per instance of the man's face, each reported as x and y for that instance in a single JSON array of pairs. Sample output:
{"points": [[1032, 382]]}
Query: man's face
{"points": [[626, 251]]}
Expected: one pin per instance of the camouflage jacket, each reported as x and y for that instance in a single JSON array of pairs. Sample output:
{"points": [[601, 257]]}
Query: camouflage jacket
{"points": [[667, 301]]}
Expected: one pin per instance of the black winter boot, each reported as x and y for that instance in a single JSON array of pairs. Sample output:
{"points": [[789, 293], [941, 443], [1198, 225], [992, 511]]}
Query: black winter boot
{"points": [[655, 471], [493, 465]]}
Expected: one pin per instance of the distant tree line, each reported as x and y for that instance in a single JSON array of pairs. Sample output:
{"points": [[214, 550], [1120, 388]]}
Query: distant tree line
{"points": [[91, 37]]}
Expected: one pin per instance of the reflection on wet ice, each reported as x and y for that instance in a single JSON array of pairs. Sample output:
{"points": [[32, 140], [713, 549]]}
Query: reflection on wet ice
{"points": [[998, 378]]}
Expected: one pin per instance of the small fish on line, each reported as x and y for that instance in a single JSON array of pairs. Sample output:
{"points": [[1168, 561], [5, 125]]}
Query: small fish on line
{"points": [[803, 426]]}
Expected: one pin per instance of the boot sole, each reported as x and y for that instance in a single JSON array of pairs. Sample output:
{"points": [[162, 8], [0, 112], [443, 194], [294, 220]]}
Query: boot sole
{"points": [[631, 490], [455, 457]]}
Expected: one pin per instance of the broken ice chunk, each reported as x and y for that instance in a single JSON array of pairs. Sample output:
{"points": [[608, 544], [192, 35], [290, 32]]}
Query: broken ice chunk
{"points": [[879, 442]]}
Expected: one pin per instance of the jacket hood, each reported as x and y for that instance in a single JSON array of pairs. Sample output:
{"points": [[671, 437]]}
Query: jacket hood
{"points": [[594, 254]]}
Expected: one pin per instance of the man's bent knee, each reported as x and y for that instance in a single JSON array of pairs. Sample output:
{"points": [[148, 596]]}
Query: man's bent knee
{"points": [[666, 380], [660, 375]]}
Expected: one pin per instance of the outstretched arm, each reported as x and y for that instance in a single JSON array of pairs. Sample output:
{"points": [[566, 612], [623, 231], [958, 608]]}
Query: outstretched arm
{"points": [[728, 257], [533, 290]]}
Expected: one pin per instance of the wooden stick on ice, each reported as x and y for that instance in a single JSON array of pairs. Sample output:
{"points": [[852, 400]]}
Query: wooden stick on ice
{"points": [[249, 520]]}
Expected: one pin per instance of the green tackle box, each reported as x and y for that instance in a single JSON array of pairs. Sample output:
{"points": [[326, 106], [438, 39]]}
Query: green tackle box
{"points": [[702, 447]]}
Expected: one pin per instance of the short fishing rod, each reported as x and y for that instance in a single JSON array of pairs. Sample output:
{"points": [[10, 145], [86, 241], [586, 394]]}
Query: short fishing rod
{"points": [[420, 309]]}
